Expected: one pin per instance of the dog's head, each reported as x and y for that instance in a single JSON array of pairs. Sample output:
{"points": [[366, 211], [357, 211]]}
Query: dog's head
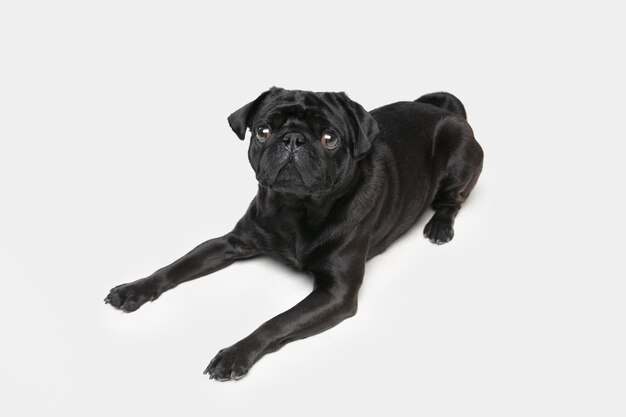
{"points": [[304, 142]]}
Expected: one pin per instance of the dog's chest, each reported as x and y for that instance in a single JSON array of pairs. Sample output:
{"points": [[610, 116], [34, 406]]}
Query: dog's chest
{"points": [[294, 231], [293, 246], [294, 240]]}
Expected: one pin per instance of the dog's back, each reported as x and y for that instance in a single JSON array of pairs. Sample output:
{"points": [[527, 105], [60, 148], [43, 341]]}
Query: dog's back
{"points": [[444, 101], [412, 154]]}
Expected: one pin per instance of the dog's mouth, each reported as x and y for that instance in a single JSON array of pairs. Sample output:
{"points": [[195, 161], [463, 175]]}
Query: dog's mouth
{"points": [[288, 178], [288, 174]]}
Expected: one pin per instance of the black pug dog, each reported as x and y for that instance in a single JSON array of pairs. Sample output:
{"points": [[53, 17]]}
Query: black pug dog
{"points": [[337, 185]]}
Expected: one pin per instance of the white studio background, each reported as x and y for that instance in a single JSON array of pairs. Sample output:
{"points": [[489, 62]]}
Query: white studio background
{"points": [[116, 158]]}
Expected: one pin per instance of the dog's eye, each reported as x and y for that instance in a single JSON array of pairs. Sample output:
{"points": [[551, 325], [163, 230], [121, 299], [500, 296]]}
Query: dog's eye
{"points": [[263, 133], [330, 140]]}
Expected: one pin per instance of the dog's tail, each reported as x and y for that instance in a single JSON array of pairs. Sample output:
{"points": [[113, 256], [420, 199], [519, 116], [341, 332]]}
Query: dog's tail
{"points": [[445, 101]]}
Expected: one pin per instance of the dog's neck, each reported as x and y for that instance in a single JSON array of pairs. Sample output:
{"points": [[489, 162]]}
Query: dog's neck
{"points": [[301, 202], [312, 208]]}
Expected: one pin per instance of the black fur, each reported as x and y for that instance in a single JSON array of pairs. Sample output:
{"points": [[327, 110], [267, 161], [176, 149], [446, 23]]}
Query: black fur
{"points": [[445, 101], [327, 211]]}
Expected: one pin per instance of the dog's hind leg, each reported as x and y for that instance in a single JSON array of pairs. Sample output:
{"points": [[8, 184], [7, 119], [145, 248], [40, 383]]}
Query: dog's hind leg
{"points": [[457, 163]]}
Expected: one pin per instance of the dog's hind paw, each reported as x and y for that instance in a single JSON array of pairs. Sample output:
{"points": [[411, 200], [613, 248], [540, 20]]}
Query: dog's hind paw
{"points": [[439, 231]]}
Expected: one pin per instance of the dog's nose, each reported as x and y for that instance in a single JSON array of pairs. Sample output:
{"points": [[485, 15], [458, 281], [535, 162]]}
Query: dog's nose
{"points": [[293, 141]]}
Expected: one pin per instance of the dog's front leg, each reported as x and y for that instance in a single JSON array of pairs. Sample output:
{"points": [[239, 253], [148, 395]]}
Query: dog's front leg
{"points": [[206, 258], [333, 300]]}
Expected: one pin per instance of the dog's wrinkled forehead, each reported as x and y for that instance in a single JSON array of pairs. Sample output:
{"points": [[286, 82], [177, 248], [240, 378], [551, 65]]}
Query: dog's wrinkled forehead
{"points": [[324, 110], [301, 105]]}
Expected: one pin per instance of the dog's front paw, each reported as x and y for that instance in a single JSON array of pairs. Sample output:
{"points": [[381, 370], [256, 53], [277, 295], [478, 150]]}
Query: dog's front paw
{"points": [[439, 231], [233, 362], [129, 297]]}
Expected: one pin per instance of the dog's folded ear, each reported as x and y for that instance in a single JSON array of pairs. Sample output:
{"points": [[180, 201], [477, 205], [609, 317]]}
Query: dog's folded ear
{"points": [[239, 121], [366, 128]]}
